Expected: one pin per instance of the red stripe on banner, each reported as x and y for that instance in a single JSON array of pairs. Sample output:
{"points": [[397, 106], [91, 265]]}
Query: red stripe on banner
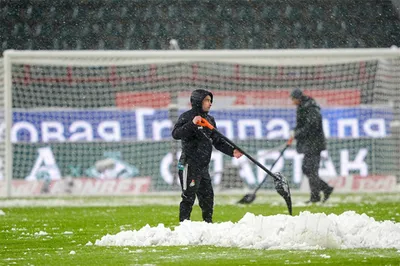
{"points": [[342, 97], [142, 99], [27, 74], [195, 71], [113, 75], [70, 78]]}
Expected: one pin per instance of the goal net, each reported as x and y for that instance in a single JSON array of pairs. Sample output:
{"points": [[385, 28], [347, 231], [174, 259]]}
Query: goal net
{"points": [[99, 122]]}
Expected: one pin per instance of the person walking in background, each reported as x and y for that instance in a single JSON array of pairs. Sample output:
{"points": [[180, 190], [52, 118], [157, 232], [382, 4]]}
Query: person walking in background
{"points": [[310, 140], [194, 162]]}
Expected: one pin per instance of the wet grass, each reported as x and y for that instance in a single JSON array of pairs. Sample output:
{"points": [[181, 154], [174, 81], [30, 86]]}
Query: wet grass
{"points": [[58, 235]]}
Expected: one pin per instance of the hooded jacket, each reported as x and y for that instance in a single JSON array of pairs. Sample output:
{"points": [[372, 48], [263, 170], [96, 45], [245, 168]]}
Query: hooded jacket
{"points": [[309, 133], [197, 141]]}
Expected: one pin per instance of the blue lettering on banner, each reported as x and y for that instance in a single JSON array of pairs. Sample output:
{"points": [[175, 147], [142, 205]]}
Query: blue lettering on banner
{"points": [[154, 124]]}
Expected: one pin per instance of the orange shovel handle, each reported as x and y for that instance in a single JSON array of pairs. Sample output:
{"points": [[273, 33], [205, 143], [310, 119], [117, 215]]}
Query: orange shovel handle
{"points": [[205, 123]]}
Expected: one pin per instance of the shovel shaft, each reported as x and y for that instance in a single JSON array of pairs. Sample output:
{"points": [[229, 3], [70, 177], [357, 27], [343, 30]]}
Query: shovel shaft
{"points": [[272, 166], [205, 123], [245, 153]]}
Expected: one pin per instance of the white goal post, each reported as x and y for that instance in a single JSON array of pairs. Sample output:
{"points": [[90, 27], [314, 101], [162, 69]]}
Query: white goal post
{"points": [[99, 122]]}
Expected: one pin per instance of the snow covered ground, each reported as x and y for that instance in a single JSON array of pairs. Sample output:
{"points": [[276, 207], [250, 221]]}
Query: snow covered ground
{"points": [[305, 231]]}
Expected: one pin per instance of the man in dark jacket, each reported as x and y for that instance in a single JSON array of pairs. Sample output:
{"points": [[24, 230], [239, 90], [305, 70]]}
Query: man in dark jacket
{"points": [[197, 146], [310, 139]]}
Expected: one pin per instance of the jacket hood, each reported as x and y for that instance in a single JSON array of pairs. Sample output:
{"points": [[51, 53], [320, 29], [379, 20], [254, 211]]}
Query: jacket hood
{"points": [[296, 94], [307, 101], [197, 97]]}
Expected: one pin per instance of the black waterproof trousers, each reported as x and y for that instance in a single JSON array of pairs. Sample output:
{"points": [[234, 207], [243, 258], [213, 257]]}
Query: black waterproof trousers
{"points": [[196, 181], [310, 168]]}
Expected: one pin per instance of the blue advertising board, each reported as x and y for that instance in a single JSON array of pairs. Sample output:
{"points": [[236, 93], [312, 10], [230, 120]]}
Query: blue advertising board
{"points": [[155, 124]]}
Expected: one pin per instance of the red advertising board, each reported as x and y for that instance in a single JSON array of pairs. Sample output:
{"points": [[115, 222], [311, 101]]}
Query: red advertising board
{"points": [[258, 98], [357, 183], [78, 186]]}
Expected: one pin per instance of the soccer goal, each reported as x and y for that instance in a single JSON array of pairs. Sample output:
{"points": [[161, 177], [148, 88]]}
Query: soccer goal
{"points": [[99, 122]]}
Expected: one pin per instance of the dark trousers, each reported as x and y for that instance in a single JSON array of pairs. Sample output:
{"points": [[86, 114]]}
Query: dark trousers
{"points": [[197, 182], [310, 168]]}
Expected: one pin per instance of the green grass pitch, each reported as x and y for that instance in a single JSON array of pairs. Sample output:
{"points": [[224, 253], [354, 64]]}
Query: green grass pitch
{"points": [[68, 224]]}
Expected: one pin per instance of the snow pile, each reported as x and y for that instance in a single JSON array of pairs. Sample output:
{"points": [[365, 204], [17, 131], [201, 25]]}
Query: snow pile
{"points": [[305, 231]]}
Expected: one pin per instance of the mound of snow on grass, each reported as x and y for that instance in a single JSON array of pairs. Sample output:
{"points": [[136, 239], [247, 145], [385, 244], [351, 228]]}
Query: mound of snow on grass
{"points": [[305, 231]]}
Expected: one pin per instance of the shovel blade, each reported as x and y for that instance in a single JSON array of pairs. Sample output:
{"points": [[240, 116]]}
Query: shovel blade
{"points": [[282, 187], [247, 199]]}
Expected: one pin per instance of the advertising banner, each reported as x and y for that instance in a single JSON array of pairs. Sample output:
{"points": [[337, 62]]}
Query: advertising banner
{"points": [[77, 187], [119, 161], [155, 124], [229, 99], [357, 183]]}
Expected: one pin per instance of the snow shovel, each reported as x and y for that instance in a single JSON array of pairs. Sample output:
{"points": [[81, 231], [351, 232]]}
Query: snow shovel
{"points": [[280, 182], [249, 198]]}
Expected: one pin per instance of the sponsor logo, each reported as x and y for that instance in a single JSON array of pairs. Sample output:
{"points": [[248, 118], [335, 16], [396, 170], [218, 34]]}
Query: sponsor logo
{"points": [[111, 167], [78, 186], [357, 183]]}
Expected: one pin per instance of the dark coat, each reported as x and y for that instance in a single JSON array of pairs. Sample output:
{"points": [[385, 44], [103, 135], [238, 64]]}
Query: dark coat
{"points": [[197, 141], [309, 133]]}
